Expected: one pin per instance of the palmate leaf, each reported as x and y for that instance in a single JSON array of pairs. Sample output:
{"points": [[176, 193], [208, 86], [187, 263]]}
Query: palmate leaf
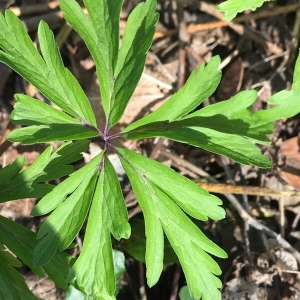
{"points": [[30, 183], [232, 7], [22, 241], [220, 128], [119, 70], [137, 38], [61, 227], [200, 85], [47, 74], [94, 192], [101, 35], [13, 286], [45, 123], [228, 127], [162, 199], [48, 133], [233, 146], [108, 214]]}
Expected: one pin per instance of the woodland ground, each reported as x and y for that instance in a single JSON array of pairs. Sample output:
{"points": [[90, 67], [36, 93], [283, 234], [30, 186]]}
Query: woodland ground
{"points": [[257, 52]]}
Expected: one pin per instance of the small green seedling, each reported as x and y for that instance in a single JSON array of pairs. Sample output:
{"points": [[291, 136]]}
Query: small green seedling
{"points": [[93, 193]]}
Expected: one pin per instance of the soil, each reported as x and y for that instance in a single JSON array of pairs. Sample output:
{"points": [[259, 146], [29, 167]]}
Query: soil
{"points": [[256, 53]]}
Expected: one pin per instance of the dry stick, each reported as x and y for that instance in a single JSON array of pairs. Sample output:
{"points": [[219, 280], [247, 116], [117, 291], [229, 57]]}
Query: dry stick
{"points": [[183, 38], [4, 144], [132, 288], [175, 283], [294, 49], [247, 190], [239, 208], [4, 147], [142, 288]]}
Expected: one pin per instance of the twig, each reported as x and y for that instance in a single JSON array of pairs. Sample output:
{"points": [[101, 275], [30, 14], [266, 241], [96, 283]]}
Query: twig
{"points": [[188, 165], [142, 289], [281, 217], [295, 40], [5, 144], [277, 10], [176, 278], [210, 9], [157, 148], [133, 290], [183, 38], [257, 225], [248, 190], [158, 82], [164, 69]]}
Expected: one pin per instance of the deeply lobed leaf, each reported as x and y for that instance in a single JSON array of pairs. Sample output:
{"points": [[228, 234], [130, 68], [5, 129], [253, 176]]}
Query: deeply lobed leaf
{"points": [[61, 227], [22, 241], [216, 128], [30, 183], [95, 183], [161, 205], [199, 86], [13, 286], [137, 39], [49, 76]]}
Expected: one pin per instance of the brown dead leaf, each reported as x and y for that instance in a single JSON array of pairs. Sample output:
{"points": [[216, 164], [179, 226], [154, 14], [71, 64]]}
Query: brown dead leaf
{"points": [[290, 149]]}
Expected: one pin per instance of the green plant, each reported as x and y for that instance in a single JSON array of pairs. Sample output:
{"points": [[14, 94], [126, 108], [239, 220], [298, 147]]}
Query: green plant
{"points": [[93, 193], [232, 7]]}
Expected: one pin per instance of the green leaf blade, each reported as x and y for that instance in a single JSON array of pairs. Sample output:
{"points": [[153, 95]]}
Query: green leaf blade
{"points": [[233, 7], [154, 233], [287, 103], [61, 78], [105, 17], [19, 40], [193, 199], [137, 39], [200, 85], [29, 111], [53, 132], [22, 241], [68, 186], [13, 286], [189, 243], [82, 24], [30, 183], [61, 227], [94, 270], [10, 171], [50, 77], [117, 218]]}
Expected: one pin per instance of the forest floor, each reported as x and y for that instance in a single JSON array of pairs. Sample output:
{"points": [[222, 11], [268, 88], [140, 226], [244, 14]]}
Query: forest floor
{"points": [[258, 52]]}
